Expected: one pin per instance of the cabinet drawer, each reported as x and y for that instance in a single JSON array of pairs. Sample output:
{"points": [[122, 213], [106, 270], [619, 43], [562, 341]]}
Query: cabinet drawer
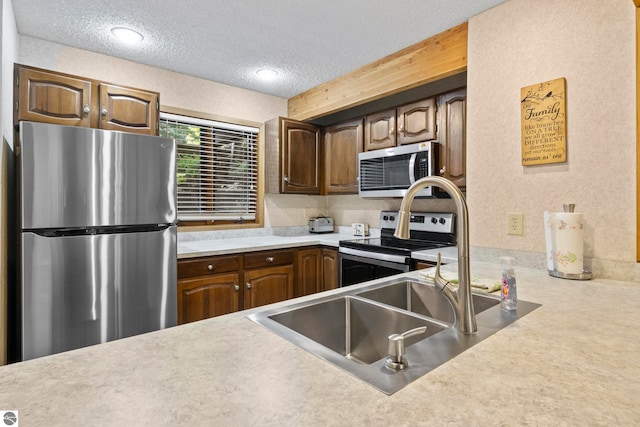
{"points": [[209, 265], [267, 258]]}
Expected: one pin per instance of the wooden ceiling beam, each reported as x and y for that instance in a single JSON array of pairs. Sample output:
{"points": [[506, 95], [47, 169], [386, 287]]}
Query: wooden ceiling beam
{"points": [[435, 58]]}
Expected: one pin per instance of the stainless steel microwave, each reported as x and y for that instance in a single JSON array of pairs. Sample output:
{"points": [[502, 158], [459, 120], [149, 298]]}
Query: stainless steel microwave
{"points": [[390, 172]]}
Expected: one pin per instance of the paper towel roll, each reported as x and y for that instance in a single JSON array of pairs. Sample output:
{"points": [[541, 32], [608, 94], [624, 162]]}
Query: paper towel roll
{"points": [[566, 232]]}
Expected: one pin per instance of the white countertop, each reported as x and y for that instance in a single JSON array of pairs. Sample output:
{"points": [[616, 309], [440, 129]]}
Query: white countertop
{"points": [[197, 248], [573, 361]]}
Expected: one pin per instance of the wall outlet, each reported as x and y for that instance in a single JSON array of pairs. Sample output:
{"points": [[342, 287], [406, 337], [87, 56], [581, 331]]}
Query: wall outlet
{"points": [[515, 223]]}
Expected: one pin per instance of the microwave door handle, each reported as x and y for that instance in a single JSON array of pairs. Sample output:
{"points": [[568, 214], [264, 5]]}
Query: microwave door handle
{"points": [[412, 168]]}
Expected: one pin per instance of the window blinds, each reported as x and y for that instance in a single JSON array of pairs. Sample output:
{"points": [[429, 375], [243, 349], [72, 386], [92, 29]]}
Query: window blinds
{"points": [[217, 168]]}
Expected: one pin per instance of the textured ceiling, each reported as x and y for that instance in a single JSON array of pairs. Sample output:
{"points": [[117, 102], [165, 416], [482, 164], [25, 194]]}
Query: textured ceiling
{"points": [[308, 42]]}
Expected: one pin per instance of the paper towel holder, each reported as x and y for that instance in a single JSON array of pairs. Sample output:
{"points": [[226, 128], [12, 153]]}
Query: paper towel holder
{"points": [[586, 274]]}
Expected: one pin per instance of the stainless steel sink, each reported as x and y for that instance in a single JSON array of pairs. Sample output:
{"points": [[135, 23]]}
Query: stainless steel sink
{"points": [[423, 298], [351, 328]]}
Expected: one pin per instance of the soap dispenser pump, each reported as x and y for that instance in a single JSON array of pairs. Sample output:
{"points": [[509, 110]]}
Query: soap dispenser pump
{"points": [[508, 294]]}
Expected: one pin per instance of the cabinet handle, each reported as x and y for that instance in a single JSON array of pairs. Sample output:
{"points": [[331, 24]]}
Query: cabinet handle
{"points": [[210, 267], [443, 171], [248, 285], [86, 110], [103, 112], [270, 259], [236, 287]]}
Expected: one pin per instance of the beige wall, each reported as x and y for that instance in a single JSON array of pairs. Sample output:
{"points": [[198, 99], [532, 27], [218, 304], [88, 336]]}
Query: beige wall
{"points": [[592, 44]]}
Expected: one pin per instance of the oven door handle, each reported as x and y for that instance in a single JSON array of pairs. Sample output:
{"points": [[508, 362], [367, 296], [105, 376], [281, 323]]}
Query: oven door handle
{"points": [[400, 259]]}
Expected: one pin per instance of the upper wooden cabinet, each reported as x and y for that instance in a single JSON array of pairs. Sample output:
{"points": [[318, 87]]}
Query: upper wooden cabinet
{"points": [[293, 157], [380, 130], [42, 96], [452, 135], [51, 97], [127, 109], [407, 124], [342, 143], [416, 122]]}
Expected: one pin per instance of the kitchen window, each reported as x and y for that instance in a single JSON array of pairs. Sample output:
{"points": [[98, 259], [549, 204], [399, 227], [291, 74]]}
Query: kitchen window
{"points": [[217, 170]]}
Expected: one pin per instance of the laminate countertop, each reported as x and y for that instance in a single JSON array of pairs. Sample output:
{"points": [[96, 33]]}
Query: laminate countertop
{"points": [[200, 248], [572, 361]]}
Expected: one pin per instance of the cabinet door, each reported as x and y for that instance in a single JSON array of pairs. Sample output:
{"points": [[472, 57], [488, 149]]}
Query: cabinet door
{"points": [[417, 122], [342, 143], [203, 297], [51, 98], [300, 150], [330, 269], [128, 110], [268, 285], [452, 135], [380, 130], [308, 272]]}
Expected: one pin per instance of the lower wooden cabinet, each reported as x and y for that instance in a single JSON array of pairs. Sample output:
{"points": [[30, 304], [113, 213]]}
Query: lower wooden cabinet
{"points": [[330, 270], [267, 285], [308, 272], [217, 285], [204, 297], [208, 287]]}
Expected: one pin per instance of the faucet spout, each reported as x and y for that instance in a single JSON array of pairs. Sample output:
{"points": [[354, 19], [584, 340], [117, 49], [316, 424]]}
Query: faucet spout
{"points": [[461, 300]]}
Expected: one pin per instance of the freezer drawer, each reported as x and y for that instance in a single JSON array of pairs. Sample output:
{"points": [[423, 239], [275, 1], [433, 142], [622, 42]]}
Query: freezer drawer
{"points": [[76, 177], [84, 290]]}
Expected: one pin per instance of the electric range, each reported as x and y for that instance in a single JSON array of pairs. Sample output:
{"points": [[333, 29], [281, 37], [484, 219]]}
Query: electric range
{"points": [[366, 259]]}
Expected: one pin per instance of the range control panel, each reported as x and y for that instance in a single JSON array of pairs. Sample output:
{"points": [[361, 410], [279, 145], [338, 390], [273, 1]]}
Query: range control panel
{"points": [[435, 222]]}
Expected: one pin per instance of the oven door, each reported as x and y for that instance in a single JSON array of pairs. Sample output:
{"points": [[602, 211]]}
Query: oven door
{"points": [[357, 266]]}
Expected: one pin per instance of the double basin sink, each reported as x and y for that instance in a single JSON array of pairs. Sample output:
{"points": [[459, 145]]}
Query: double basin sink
{"points": [[351, 329]]}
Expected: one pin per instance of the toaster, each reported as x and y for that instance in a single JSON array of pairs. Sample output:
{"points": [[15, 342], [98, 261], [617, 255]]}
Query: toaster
{"points": [[321, 224]]}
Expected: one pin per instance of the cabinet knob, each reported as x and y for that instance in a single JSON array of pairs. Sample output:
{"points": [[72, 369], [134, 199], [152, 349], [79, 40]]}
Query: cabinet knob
{"points": [[270, 259], [285, 179], [391, 130], [210, 267], [103, 112], [443, 171], [401, 130], [236, 287], [86, 110], [248, 285]]}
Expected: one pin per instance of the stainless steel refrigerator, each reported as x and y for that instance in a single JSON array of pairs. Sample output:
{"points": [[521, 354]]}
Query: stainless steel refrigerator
{"points": [[97, 236]]}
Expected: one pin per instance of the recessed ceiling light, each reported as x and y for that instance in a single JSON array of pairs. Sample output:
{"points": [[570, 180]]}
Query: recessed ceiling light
{"points": [[267, 73], [127, 35]]}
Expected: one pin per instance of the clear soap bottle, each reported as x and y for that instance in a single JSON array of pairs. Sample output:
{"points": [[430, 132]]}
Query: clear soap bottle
{"points": [[508, 294]]}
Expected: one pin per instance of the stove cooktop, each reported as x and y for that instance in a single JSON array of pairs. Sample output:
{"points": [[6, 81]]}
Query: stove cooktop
{"points": [[391, 245], [428, 231]]}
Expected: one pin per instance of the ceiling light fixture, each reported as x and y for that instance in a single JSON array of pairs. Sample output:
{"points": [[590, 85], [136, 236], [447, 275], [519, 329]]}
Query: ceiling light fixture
{"points": [[127, 35], [266, 73]]}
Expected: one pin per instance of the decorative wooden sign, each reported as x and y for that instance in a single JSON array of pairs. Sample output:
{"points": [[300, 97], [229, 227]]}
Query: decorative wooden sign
{"points": [[544, 125]]}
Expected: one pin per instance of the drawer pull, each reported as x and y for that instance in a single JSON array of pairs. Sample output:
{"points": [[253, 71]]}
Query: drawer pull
{"points": [[210, 267], [270, 259]]}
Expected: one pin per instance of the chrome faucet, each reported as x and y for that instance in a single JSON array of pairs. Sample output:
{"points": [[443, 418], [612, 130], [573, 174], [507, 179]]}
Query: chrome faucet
{"points": [[461, 300]]}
